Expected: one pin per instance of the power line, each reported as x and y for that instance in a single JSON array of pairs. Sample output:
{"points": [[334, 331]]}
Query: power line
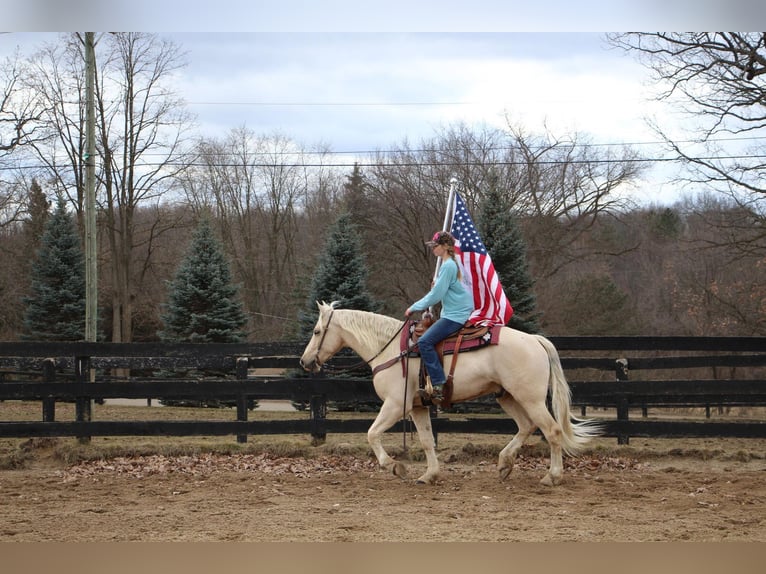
{"points": [[500, 148], [282, 153], [334, 104], [485, 149], [417, 163]]}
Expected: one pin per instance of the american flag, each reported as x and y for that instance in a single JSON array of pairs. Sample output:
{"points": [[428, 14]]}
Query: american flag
{"points": [[492, 306]]}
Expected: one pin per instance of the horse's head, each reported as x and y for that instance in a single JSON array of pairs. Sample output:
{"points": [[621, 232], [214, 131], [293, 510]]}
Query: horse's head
{"points": [[325, 342]]}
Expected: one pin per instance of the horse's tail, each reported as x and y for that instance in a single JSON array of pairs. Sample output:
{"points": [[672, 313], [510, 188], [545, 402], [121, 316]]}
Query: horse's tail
{"points": [[576, 432]]}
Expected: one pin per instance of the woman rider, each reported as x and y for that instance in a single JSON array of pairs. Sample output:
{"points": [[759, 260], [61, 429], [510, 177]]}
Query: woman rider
{"points": [[457, 306]]}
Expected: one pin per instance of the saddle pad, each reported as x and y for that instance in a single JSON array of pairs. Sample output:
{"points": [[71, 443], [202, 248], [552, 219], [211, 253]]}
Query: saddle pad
{"points": [[491, 337]]}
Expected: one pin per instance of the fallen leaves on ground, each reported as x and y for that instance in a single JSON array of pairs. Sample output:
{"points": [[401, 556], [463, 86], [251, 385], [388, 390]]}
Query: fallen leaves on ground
{"points": [[200, 464], [147, 465]]}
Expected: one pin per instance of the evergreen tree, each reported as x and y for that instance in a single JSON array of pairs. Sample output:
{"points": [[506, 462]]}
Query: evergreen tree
{"points": [[499, 229], [39, 210], [597, 306], [341, 275], [203, 306], [354, 197], [55, 309], [666, 224]]}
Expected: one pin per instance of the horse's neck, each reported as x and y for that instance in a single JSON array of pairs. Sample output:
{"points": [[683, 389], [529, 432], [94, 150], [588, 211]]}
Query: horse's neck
{"points": [[366, 340]]}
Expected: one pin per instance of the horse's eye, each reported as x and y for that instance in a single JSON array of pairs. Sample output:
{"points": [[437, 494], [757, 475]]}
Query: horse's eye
{"points": [[317, 331]]}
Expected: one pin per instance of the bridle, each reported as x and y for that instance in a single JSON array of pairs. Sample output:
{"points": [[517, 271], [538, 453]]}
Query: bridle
{"points": [[324, 334]]}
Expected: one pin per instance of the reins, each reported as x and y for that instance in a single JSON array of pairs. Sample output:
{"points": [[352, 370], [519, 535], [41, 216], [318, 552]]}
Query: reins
{"points": [[362, 362]]}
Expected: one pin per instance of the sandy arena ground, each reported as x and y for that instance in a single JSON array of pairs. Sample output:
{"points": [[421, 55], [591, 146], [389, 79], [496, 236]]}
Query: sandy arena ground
{"points": [[695, 490]]}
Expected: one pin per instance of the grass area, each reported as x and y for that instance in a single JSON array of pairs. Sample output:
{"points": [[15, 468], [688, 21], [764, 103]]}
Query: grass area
{"points": [[453, 447]]}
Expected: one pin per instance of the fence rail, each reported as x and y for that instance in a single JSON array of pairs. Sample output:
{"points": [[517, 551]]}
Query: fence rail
{"points": [[51, 372]]}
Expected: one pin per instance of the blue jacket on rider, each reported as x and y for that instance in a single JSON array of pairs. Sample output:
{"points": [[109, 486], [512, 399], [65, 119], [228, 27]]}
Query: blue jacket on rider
{"points": [[456, 300]]}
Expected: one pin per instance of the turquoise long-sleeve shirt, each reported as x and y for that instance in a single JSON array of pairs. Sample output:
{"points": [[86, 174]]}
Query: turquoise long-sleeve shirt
{"points": [[456, 300]]}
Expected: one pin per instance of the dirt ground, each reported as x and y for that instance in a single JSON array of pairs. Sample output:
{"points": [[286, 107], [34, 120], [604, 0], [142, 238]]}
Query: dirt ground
{"points": [[693, 490]]}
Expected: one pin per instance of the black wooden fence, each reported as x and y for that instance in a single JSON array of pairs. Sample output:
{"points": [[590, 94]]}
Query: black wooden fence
{"points": [[618, 373]]}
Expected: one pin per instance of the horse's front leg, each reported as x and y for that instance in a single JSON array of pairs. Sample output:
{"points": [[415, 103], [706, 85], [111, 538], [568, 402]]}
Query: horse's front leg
{"points": [[389, 413], [421, 416]]}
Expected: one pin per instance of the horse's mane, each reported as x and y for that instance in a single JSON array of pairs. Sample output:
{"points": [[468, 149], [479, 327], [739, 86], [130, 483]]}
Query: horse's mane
{"points": [[372, 329]]}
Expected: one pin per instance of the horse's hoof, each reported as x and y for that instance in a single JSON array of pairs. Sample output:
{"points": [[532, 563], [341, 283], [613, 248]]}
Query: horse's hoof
{"points": [[505, 472], [548, 480], [399, 470]]}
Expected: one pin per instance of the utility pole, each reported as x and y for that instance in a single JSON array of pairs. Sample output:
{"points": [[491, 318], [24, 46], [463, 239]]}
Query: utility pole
{"points": [[91, 259], [84, 407]]}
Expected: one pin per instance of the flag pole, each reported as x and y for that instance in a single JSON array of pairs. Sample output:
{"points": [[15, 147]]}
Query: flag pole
{"points": [[448, 215]]}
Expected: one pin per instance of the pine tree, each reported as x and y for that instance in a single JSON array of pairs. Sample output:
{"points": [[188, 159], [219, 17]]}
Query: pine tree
{"points": [[499, 229], [55, 309], [39, 210], [354, 198], [203, 306], [341, 275], [592, 302]]}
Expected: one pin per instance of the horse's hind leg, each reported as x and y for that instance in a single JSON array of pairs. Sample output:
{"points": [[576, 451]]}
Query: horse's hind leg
{"points": [[422, 419], [507, 457], [553, 434], [387, 417]]}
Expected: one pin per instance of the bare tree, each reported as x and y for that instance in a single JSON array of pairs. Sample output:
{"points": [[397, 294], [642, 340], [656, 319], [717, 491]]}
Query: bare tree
{"points": [[559, 186], [564, 184], [407, 191], [11, 202], [20, 109], [719, 79], [258, 188], [140, 129]]}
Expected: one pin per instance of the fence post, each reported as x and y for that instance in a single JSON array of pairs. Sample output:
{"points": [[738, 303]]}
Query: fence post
{"points": [[241, 369], [49, 403], [318, 419], [621, 371], [83, 411], [622, 415]]}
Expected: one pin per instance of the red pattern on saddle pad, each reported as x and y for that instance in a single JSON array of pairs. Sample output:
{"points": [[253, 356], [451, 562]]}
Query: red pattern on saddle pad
{"points": [[490, 338]]}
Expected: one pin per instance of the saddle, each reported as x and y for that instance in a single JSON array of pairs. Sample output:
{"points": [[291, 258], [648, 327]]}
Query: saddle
{"points": [[470, 337]]}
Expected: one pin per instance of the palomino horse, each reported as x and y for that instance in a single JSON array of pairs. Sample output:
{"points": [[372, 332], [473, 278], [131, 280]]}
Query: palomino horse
{"points": [[524, 366]]}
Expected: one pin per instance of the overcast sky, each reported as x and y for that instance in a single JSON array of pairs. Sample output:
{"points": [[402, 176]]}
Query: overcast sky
{"points": [[371, 89], [357, 92], [365, 91]]}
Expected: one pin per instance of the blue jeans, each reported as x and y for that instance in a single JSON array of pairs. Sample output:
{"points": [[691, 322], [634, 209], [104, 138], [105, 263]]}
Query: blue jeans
{"points": [[436, 333]]}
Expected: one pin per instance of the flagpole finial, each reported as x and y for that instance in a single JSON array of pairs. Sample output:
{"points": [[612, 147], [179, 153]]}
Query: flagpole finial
{"points": [[453, 180]]}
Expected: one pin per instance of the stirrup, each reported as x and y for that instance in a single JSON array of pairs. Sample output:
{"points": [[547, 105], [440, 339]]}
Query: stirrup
{"points": [[435, 397]]}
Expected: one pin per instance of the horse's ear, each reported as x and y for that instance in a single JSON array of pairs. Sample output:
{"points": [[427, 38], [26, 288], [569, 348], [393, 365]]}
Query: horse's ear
{"points": [[323, 306]]}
